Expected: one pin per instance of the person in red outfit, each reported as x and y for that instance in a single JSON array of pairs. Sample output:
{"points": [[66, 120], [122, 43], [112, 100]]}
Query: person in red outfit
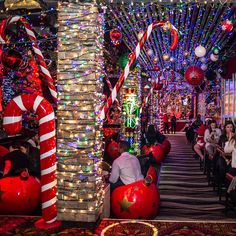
{"points": [[166, 125], [200, 143]]}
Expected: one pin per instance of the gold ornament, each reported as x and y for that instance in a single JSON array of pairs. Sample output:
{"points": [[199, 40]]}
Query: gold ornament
{"points": [[166, 57], [20, 4]]}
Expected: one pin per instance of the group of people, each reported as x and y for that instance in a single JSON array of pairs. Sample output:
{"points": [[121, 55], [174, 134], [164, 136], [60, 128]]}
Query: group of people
{"points": [[173, 122], [213, 144], [21, 156], [127, 168]]}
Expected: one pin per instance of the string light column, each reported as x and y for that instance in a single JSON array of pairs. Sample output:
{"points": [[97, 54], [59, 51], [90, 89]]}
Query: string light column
{"points": [[79, 137]]}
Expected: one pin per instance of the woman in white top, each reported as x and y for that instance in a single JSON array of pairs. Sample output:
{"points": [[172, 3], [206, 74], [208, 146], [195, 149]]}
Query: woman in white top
{"points": [[211, 137], [230, 147]]}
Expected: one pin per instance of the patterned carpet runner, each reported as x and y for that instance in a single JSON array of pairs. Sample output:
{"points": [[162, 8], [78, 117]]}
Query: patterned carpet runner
{"points": [[184, 190]]}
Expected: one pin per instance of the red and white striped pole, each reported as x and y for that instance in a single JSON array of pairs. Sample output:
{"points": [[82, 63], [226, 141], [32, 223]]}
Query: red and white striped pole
{"points": [[12, 122], [145, 102], [37, 51], [161, 129], [134, 55], [110, 88]]}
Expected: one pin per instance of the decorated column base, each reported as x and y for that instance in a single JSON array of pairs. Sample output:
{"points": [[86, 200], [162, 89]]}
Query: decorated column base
{"points": [[42, 224]]}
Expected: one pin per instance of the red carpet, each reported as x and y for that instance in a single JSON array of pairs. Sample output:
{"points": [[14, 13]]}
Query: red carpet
{"points": [[24, 226], [149, 228]]}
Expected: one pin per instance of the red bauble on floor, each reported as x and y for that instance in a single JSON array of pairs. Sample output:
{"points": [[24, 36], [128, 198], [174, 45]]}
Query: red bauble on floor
{"points": [[166, 146], [157, 152], [135, 201], [19, 196]]}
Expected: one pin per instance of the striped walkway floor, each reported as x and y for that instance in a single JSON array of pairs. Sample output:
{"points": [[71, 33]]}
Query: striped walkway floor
{"points": [[184, 190]]}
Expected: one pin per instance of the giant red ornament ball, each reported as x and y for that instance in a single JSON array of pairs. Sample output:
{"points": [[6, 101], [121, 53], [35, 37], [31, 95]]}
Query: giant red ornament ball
{"points": [[11, 59], [166, 146], [158, 86], [157, 152], [227, 25], [115, 36], [19, 196], [194, 75], [113, 149], [156, 68], [135, 201]]}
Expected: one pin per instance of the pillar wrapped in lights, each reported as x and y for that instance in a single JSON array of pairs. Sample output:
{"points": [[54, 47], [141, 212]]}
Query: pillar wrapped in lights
{"points": [[79, 138]]}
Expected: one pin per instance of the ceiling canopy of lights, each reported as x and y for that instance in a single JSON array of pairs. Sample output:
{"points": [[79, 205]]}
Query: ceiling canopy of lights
{"points": [[207, 34]]}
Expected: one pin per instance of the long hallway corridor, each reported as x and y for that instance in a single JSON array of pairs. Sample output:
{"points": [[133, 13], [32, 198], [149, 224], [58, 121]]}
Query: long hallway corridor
{"points": [[184, 190]]}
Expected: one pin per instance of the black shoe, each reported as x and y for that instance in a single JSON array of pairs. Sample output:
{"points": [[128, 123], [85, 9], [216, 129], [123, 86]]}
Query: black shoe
{"points": [[195, 156]]}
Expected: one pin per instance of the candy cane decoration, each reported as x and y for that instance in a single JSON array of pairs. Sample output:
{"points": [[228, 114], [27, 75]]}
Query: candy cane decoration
{"points": [[12, 123], [110, 88], [145, 102], [134, 55], [37, 51], [161, 122]]}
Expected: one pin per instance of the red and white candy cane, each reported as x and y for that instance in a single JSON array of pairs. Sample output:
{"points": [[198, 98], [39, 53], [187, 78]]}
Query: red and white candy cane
{"points": [[134, 55], [161, 127], [145, 102], [37, 51], [110, 88], [12, 122]]}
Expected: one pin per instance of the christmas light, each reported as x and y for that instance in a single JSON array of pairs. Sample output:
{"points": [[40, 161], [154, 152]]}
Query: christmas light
{"points": [[79, 138]]}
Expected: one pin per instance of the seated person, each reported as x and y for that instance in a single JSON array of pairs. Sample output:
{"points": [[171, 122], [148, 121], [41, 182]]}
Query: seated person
{"points": [[34, 140], [153, 137], [199, 146], [125, 169], [230, 147], [222, 163], [33, 155], [14, 162], [211, 137]]}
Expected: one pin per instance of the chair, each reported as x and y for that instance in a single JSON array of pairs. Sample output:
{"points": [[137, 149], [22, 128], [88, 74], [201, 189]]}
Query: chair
{"points": [[228, 203]]}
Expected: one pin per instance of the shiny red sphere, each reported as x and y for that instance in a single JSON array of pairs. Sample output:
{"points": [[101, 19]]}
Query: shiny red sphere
{"points": [[156, 68], [158, 86], [113, 149], [19, 196], [166, 146], [157, 152], [227, 25], [11, 59], [194, 75], [115, 34], [135, 201]]}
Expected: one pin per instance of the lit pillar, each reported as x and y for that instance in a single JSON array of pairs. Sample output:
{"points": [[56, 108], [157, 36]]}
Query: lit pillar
{"points": [[79, 138]]}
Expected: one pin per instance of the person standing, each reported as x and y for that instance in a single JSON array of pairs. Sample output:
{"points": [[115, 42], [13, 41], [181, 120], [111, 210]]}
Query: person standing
{"points": [[173, 124], [126, 168], [166, 125]]}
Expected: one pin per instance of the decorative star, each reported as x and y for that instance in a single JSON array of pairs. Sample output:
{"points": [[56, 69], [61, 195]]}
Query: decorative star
{"points": [[136, 188], [125, 204]]}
